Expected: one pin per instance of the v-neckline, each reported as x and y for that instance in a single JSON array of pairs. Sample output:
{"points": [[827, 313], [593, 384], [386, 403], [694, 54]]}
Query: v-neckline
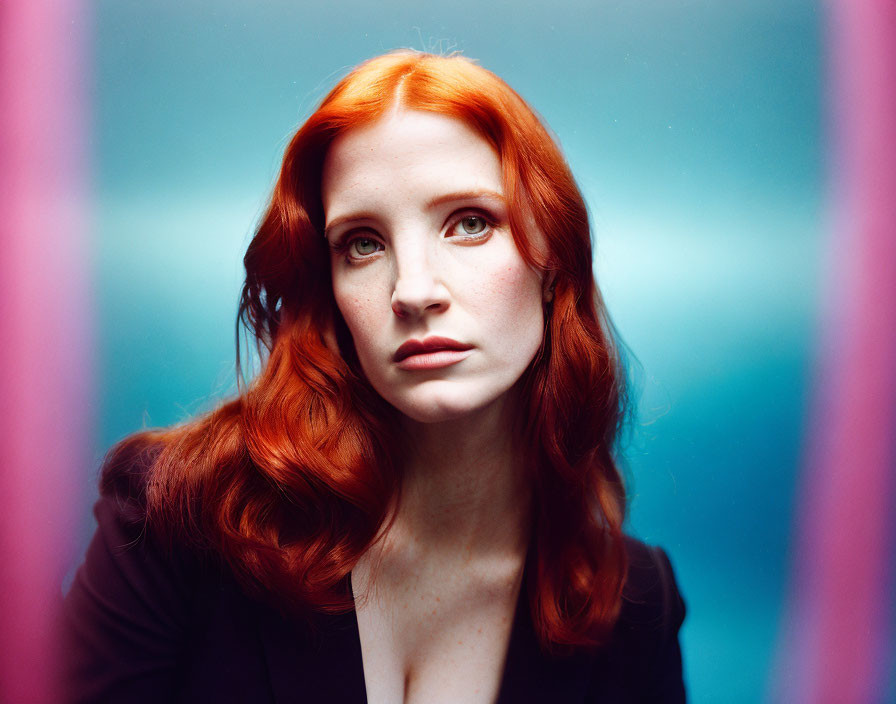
{"points": [[321, 659], [518, 644], [526, 668]]}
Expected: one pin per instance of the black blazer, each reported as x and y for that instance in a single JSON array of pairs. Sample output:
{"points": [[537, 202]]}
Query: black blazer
{"points": [[142, 624]]}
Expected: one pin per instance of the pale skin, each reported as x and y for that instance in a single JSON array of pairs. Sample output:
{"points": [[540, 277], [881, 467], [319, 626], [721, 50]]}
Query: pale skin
{"points": [[414, 207]]}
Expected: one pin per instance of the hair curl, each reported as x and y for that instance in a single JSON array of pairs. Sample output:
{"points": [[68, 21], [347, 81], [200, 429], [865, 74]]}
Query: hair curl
{"points": [[290, 482]]}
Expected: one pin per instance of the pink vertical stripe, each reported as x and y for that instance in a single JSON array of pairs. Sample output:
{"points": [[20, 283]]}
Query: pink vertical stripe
{"points": [[835, 647], [44, 318]]}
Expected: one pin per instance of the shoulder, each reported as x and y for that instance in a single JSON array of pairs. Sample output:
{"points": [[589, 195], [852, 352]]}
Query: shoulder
{"points": [[644, 654], [124, 477], [132, 599], [126, 525], [651, 596], [124, 548]]}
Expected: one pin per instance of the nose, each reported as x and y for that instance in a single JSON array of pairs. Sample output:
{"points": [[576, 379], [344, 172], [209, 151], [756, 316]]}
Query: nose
{"points": [[418, 289]]}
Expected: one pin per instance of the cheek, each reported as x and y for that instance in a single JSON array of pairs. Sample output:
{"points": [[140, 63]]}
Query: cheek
{"points": [[359, 316], [512, 304]]}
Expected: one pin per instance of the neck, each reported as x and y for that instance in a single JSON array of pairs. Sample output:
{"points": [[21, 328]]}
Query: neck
{"points": [[464, 488]]}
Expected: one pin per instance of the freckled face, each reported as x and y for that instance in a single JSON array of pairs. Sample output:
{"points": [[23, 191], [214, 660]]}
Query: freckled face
{"points": [[421, 249]]}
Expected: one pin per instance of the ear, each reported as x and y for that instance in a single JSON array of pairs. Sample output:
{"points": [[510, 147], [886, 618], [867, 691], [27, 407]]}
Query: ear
{"points": [[547, 286]]}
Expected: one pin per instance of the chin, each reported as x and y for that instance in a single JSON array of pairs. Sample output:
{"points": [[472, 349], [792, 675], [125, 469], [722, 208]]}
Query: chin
{"points": [[434, 414], [445, 407]]}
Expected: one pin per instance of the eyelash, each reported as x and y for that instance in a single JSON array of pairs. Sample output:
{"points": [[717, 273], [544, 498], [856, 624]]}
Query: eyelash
{"points": [[343, 244]]}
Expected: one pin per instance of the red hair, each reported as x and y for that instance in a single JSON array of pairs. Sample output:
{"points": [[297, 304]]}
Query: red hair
{"points": [[290, 482]]}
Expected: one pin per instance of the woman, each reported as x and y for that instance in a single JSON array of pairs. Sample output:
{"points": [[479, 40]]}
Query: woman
{"points": [[417, 499]]}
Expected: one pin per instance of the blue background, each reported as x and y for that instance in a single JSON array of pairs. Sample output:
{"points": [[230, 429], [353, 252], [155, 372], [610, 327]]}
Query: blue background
{"points": [[694, 130]]}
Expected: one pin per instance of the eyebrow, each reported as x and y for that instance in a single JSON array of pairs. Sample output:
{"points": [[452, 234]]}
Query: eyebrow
{"points": [[483, 194]]}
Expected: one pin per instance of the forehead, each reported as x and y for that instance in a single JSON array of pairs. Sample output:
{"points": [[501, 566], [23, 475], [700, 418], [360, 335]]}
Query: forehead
{"points": [[404, 156]]}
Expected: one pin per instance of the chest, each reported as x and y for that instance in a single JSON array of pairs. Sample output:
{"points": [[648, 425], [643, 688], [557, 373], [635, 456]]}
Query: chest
{"points": [[242, 650], [435, 637]]}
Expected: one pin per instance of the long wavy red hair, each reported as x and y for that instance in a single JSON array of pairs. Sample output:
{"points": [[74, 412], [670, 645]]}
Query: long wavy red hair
{"points": [[290, 482]]}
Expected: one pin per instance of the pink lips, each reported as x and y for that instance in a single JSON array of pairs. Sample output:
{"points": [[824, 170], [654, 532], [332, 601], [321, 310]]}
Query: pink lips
{"points": [[431, 353]]}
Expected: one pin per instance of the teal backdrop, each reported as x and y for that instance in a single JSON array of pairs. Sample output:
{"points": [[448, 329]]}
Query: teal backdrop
{"points": [[694, 129]]}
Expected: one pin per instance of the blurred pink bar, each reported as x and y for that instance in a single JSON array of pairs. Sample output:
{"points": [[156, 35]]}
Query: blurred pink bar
{"points": [[45, 384], [836, 645]]}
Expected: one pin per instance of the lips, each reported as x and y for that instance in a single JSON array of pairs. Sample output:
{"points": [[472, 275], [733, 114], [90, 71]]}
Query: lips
{"points": [[430, 344]]}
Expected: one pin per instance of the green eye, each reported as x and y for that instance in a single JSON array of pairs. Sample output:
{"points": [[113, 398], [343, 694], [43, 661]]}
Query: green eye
{"points": [[364, 246], [473, 224]]}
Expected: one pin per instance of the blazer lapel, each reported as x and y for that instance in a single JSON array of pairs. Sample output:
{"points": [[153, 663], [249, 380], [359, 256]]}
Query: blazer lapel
{"points": [[323, 663], [532, 676], [320, 663]]}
